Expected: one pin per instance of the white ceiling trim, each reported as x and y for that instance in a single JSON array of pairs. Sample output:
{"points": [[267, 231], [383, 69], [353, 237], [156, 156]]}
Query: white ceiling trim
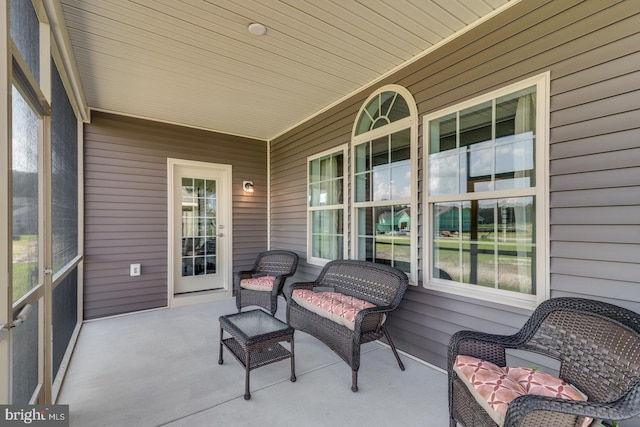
{"points": [[168, 122], [63, 43]]}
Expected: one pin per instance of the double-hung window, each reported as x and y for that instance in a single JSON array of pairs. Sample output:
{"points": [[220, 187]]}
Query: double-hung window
{"points": [[485, 219], [326, 206]]}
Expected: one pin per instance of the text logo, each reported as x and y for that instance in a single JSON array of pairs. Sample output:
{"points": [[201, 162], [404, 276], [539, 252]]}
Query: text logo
{"points": [[35, 415]]}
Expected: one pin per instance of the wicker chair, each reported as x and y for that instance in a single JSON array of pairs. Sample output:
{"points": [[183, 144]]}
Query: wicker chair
{"points": [[382, 285], [278, 263], [598, 347]]}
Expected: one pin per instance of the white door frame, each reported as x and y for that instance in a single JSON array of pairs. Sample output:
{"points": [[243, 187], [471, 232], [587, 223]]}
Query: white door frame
{"points": [[227, 243]]}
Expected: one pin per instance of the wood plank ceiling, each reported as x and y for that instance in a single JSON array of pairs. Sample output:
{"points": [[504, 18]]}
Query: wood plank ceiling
{"points": [[194, 62]]}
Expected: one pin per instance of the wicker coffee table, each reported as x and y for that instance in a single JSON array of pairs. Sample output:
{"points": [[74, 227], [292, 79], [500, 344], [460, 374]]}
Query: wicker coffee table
{"points": [[255, 341]]}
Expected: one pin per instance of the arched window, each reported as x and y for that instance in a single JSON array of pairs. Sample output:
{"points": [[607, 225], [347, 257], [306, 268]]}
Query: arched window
{"points": [[384, 153], [382, 109]]}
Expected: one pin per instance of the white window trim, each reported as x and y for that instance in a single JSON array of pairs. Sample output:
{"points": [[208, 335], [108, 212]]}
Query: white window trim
{"points": [[411, 123], [542, 83], [345, 176]]}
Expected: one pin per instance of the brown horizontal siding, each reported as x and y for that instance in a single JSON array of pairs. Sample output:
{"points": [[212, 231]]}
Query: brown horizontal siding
{"points": [[618, 159], [596, 197], [616, 252], [591, 50], [604, 125], [621, 140], [617, 271], [599, 215], [126, 206], [571, 285], [597, 234]]}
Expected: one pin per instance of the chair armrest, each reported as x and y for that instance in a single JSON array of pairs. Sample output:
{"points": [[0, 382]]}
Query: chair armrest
{"points": [[625, 407], [367, 311], [489, 347], [525, 405], [278, 284], [288, 290], [245, 274]]}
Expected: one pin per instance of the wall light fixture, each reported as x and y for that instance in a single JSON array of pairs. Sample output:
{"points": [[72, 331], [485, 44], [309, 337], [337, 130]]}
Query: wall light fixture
{"points": [[247, 186]]}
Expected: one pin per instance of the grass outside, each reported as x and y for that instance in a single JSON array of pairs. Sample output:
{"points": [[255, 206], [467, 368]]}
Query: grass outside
{"points": [[25, 265]]}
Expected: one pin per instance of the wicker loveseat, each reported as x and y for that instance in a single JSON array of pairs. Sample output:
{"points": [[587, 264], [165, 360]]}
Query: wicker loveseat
{"points": [[597, 345], [375, 290]]}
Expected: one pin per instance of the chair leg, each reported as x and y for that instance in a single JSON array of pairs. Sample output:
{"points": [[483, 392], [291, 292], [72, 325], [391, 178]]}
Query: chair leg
{"points": [[354, 381], [393, 348]]}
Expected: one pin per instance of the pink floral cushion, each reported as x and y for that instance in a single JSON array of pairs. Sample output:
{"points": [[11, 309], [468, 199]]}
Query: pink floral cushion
{"points": [[543, 384], [495, 387], [489, 384], [338, 307], [262, 283]]}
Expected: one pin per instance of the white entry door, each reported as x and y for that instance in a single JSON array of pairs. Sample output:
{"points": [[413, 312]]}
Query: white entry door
{"points": [[201, 200]]}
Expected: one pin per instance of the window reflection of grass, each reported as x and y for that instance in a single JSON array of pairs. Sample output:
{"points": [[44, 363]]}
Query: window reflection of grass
{"points": [[401, 247], [447, 258]]}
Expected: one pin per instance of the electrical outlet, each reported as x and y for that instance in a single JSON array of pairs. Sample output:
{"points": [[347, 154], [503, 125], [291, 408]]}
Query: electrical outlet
{"points": [[134, 270]]}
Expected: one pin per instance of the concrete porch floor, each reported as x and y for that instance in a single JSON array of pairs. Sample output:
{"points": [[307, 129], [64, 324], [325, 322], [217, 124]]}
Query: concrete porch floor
{"points": [[160, 368]]}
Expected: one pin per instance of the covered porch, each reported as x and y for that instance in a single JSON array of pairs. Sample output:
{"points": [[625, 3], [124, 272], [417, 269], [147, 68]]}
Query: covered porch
{"points": [[133, 349], [160, 368]]}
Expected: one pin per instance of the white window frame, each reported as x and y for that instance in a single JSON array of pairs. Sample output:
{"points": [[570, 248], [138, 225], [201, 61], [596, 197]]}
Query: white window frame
{"points": [[411, 123], [541, 195], [343, 206]]}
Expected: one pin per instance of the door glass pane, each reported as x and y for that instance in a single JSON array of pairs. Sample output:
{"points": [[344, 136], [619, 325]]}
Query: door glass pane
{"points": [[24, 174], [199, 230]]}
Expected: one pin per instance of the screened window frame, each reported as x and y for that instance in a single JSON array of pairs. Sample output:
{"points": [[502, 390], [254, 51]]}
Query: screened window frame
{"points": [[410, 122], [312, 260], [63, 262], [33, 81], [540, 192]]}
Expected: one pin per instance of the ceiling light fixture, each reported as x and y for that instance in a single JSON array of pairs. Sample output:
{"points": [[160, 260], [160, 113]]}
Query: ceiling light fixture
{"points": [[257, 29]]}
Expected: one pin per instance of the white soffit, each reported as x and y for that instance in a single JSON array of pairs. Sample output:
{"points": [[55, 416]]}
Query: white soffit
{"points": [[195, 63]]}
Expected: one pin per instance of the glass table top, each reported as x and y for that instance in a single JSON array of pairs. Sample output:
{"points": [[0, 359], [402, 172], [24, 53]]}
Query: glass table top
{"points": [[255, 322]]}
